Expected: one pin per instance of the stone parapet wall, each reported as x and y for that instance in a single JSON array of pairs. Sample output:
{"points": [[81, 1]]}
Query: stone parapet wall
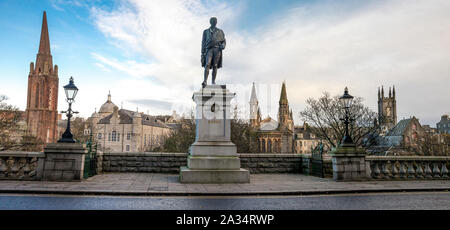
{"points": [[171, 162], [271, 163], [21, 165], [143, 162], [407, 167]]}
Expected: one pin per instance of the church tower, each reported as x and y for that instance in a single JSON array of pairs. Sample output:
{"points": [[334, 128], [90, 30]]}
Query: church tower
{"points": [[42, 95], [285, 123], [387, 109], [284, 114], [255, 115]]}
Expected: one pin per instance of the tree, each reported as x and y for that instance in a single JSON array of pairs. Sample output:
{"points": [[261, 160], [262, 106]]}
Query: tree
{"points": [[182, 138], [325, 116], [242, 134], [9, 116], [78, 125], [432, 145]]}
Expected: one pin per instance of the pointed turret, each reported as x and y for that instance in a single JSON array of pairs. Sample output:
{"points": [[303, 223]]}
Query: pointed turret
{"points": [[283, 96], [390, 94], [254, 108], [393, 91], [379, 93], [382, 92], [44, 56], [253, 98]]}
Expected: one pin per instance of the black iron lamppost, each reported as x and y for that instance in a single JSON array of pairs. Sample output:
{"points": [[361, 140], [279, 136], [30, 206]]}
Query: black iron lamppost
{"points": [[346, 101], [71, 91]]}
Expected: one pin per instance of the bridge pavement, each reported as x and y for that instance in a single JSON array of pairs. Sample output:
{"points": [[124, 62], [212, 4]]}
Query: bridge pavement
{"points": [[260, 184]]}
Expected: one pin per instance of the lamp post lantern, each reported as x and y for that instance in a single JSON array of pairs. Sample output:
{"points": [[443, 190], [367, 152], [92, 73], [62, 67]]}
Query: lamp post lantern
{"points": [[71, 92], [346, 101]]}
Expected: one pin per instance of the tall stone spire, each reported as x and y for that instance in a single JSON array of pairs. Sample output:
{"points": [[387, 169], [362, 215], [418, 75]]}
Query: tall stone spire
{"points": [[283, 96], [42, 96], [44, 55], [254, 108], [253, 98]]}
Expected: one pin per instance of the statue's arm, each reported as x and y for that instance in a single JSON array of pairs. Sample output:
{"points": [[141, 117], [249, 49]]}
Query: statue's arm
{"points": [[224, 42], [203, 43]]}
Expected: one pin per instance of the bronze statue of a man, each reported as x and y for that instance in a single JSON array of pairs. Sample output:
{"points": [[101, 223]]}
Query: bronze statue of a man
{"points": [[213, 42]]}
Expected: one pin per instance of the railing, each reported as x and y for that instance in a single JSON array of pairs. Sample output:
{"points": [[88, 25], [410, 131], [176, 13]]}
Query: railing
{"points": [[407, 167], [20, 165]]}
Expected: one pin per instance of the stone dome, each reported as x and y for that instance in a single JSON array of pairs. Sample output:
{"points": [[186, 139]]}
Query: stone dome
{"points": [[108, 106]]}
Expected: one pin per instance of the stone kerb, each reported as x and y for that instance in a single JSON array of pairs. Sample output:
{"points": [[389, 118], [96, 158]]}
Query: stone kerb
{"points": [[64, 161]]}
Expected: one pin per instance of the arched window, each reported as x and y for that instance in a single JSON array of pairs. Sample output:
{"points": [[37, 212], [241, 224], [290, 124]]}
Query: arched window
{"points": [[263, 146], [269, 146]]}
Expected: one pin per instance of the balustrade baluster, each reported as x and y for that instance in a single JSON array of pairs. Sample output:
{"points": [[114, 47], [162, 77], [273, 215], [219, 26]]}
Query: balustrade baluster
{"points": [[394, 170], [419, 170], [444, 170], [402, 170], [436, 171], [428, 173], [376, 171], [411, 171], [3, 168], [386, 173]]}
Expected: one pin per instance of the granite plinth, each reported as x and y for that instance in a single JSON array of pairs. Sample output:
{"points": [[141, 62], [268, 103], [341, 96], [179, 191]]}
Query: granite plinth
{"points": [[213, 157]]}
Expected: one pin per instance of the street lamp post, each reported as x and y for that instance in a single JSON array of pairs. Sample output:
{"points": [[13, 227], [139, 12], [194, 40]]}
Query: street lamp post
{"points": [[346, 101], [71, 91]]}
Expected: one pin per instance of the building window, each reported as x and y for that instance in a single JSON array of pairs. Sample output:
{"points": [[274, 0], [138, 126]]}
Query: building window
{"points": [[118, 136], [128, 136], [99, 136], [128, 148], [113, 136], [109, 136], [145, 140]]}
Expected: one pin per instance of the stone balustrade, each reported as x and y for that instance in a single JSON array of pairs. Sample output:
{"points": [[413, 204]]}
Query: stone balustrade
{"points": [[407, 167], [21, 165]]}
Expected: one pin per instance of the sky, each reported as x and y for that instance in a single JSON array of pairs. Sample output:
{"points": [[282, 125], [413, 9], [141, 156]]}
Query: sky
{"points": [[147, 53]]}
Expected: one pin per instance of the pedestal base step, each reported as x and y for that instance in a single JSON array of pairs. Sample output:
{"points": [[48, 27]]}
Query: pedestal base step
{"points": [[214, 163], [214, 176]]}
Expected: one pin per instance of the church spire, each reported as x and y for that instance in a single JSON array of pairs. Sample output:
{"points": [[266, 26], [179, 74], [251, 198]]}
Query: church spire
{"points": [[44, 54], [253, 98], [283, 96], [44, 44]]}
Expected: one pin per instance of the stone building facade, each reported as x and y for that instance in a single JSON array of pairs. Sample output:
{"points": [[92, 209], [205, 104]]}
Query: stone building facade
{"points": [[443, 126], [42, 95], [121, 130], [407, 133], [273, 136], [387, 110], [305, 139]]}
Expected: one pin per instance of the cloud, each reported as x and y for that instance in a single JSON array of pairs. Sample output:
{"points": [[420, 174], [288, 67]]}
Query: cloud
{"points": [[322, 46], [157, 104]]}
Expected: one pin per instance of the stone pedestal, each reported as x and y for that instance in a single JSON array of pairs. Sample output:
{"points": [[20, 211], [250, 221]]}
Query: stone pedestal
{"points": [[213, 157], [64, 161], [348, 164]]}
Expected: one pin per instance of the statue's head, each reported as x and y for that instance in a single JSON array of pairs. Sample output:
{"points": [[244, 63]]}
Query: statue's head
{"points": [[213, 21]]}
